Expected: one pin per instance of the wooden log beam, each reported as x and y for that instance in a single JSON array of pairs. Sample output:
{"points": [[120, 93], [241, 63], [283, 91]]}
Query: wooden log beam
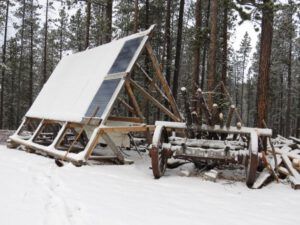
{"points": [[127, 106], [154, 101], [152, 83], [163, 81], [133, 100], [125, 119], [127, 129], [295, 177]]}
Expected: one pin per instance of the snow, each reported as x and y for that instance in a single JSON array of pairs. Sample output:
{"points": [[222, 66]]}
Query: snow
{"points": [[35, 191], [73, 84]]}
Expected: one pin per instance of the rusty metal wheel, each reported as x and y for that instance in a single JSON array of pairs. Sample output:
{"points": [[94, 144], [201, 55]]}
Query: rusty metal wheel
{"points": [[251, 167], [252, 160], [159, 156]]}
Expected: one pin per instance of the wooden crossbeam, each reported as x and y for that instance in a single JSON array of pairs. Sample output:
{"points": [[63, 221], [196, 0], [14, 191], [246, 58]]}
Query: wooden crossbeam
{"points": [[125, 119], [133, 100], [154, 101], [127, 106], [127, 129], [152, 82], [163, 81]]}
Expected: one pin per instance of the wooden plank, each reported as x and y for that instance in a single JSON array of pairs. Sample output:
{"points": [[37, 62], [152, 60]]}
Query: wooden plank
{"points": [[154, 101], [125, 119], [127, 106], [163, 81], [133, 100], [126, 129]]}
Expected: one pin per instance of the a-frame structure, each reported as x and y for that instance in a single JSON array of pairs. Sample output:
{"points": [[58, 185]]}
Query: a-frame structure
{"points": [[73, 113]]}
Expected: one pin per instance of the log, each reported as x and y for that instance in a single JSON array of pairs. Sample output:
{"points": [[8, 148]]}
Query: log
{"points": [[217, 144], [283, 171], [229, 115], [266, 173], [296, 140], [295, 177], [215, 114], [204, 106], [187, 112], [221, 119]]}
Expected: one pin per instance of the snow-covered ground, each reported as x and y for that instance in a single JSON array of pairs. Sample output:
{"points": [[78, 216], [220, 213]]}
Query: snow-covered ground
{"points": [[34, 190]]}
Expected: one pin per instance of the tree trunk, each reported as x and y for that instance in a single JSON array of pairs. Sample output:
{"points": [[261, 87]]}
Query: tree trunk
{"points": [[281, 125], [4, 66], [45, 43], [146, 60], [211, 78], [242, 91], [168, 42], [109, 7], [205, 46], [289, 88], [224, 51], [248, 102], [136, 16], [88, 23], [197, 47], [225, 45], [264, 61], [178, 49], [298, 111], [30, 94], [20, 69]]}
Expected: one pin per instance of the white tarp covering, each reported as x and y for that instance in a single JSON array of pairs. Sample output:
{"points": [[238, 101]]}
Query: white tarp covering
{"points": [[75, 81]]}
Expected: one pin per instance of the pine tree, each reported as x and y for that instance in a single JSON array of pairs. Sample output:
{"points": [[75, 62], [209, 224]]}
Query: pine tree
{"points": [[243, 55], [4, 63]]}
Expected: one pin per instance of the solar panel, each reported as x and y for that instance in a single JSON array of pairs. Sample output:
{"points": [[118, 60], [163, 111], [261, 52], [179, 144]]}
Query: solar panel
{"points": [[102, 97], [125, 56]]}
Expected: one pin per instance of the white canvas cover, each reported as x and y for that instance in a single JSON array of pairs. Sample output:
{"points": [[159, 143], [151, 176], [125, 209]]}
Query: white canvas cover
{"points": [[72, 86]]}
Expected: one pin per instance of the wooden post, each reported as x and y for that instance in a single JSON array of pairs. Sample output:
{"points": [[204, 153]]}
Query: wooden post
{"points": [[163, 81], [204, 106], [187, 112], [133, 100], [215, 116], [229, 116]]}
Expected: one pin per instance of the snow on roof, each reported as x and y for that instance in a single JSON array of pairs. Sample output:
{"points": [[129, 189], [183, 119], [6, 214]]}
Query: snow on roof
{"points": [[75, 83]]}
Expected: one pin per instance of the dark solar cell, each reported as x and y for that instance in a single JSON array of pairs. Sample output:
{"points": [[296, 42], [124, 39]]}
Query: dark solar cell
{"points": [[125, 56], [102, 97]]}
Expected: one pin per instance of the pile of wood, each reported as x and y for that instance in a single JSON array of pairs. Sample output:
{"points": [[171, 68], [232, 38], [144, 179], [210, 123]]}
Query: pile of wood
{"points": [[282, 162]]}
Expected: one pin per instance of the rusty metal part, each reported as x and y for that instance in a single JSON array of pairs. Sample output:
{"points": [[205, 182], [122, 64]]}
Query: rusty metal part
{"points": [[159, 155]]}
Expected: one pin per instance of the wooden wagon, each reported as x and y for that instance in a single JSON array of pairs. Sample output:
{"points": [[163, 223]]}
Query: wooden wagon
{"points": [[209, 139]]}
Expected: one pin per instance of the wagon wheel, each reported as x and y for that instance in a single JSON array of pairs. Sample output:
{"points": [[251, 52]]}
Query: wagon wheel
{"points": [[159, 156], [252, 160]]}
